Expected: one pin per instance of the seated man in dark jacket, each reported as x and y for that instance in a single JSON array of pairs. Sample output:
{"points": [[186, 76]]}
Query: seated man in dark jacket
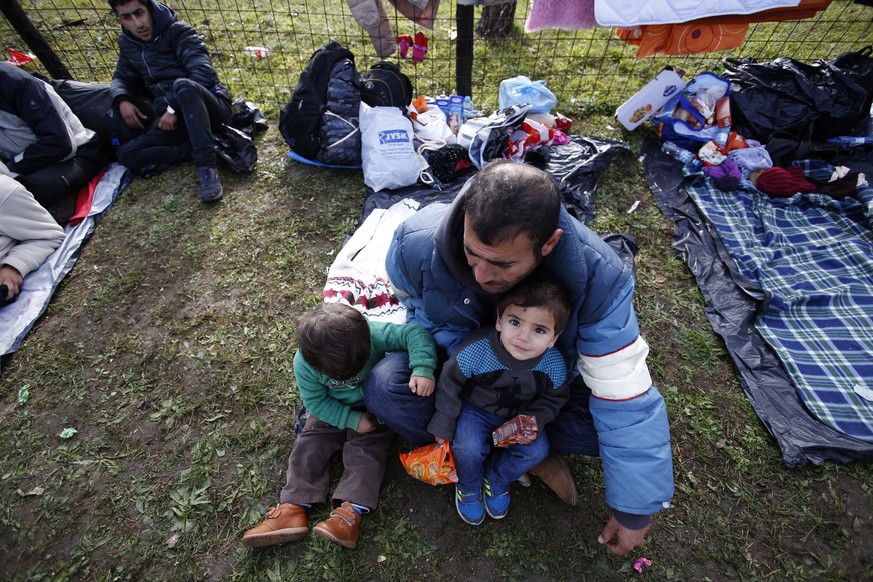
{"points": [[170, 60], [43, 144]]}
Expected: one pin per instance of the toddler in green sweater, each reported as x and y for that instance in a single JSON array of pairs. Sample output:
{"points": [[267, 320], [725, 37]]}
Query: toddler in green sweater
{"points": [[337, 348]]}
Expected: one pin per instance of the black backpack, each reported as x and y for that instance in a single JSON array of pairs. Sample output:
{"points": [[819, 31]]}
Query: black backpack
{"points": [[385, 85], [300, 120]]}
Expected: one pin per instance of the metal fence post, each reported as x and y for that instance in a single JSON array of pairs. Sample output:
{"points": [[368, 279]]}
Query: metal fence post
{"points": [[464, 50]]}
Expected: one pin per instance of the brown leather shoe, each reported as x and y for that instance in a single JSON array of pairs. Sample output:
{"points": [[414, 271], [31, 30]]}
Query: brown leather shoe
{"points": [[285, 523], [555, 473], [341, 527]]}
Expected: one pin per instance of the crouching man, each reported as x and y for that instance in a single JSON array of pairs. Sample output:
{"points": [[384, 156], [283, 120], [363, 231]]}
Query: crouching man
{"points": [[166, 57]]}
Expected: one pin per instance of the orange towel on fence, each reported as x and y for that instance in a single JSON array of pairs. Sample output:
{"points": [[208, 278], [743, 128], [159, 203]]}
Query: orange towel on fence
{"points": [[710, 34], [683, 39]]}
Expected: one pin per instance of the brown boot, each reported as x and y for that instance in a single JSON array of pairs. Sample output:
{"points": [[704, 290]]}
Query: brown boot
{"points": [[555, 473], [341, 527], [285, 523]]}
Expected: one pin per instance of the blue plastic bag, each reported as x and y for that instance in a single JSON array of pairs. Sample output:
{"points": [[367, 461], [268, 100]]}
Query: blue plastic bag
{"points": [[520, 90]]}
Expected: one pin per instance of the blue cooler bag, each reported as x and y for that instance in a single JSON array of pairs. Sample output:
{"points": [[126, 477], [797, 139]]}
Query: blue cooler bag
{"points": [[688, 118]]}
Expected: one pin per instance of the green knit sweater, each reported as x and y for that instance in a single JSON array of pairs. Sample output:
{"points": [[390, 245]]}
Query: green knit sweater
{"points": [[340, 402]]}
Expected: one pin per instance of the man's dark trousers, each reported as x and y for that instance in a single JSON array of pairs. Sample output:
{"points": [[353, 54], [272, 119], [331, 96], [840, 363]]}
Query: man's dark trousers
{"points": [[200, 113]]}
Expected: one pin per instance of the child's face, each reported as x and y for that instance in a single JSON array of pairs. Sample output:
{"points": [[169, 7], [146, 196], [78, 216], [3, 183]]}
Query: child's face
{"points": [[526, 332]]}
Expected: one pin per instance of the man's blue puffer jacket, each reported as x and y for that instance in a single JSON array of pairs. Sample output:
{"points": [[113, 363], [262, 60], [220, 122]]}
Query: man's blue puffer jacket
{"points": [[430, 275]]}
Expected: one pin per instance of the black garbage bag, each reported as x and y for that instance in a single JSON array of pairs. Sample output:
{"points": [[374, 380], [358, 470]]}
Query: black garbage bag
{"points": [[798, 101], [246, 117], [577, 165], [235, 148]]}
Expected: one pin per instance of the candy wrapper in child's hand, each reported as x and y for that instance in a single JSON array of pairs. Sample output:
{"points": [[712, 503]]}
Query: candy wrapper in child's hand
{"points": [[507, 433]]}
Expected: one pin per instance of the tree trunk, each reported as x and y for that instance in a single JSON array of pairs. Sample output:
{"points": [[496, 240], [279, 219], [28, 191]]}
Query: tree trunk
{"points": [[496, 21]]}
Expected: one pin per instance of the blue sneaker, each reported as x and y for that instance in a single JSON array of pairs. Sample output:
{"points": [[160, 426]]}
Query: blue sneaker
{"points": [[496, 500], [470, 506], [210, 184]]}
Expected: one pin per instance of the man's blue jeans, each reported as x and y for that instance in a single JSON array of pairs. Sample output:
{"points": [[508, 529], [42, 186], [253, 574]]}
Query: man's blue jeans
{"points": [[476, 457], [387, 395], [200, 112]]}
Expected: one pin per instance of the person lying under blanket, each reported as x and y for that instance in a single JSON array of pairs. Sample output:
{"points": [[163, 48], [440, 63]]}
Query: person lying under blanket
{"points": [[28, 235]]}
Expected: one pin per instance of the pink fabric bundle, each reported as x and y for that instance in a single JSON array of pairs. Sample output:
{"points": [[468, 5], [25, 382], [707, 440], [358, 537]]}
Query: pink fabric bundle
{"points": [[566, 14]]}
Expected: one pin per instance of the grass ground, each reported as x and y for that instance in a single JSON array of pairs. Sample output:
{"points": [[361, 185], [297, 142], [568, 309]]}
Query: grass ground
{"points": [[168, 348]]}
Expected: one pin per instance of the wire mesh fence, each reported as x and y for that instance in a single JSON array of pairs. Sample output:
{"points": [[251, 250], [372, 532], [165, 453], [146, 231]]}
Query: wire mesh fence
{"points": [[588, 69]]}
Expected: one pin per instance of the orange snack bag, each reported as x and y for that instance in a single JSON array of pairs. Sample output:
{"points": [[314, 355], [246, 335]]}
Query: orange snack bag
{"points": [[506, 434], [431, 463]]}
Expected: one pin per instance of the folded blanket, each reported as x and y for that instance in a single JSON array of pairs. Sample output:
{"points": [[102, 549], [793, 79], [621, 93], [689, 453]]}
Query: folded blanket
{"points": [[358, 276]]}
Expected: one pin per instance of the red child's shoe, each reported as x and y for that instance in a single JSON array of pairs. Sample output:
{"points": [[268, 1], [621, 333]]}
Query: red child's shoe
{"points": [[404, 41]]}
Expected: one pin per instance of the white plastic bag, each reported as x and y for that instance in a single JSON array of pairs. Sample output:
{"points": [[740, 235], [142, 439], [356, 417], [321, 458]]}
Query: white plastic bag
{"points": [[388, 157], [431, 125]]}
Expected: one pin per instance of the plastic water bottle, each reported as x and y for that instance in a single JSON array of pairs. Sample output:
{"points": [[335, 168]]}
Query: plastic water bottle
{"points": [[683, 155], [468, 108], [721, 135], [850, 141], [258, 52]]}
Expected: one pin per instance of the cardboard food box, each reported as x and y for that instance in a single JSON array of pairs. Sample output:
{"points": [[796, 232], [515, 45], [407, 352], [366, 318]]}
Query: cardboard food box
{"points": [[649, 99], [507, 433]]}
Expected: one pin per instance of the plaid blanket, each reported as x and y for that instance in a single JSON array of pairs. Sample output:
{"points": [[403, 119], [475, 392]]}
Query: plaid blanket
{"points": [[812, 256]]}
